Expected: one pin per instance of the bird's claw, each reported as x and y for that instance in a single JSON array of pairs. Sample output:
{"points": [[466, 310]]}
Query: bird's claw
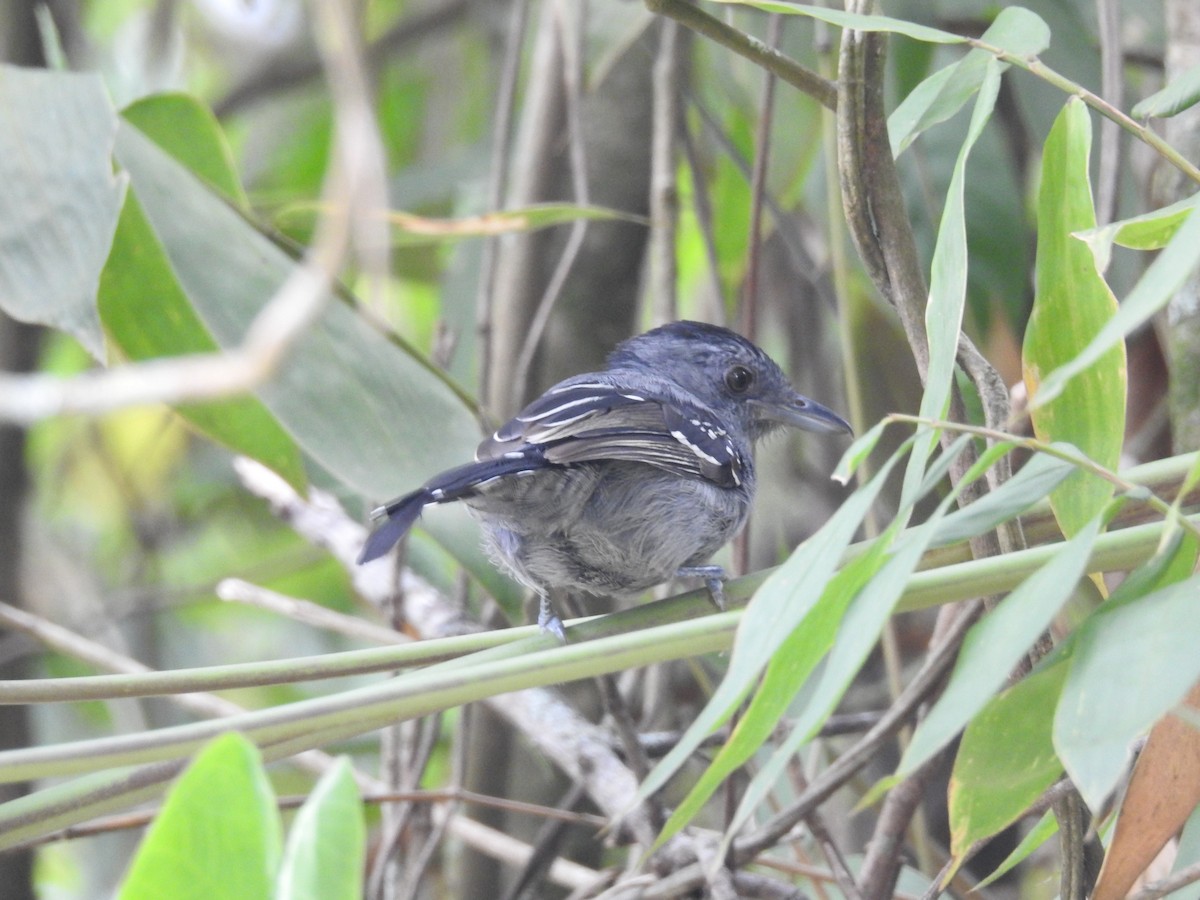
{"points": [[548, 620], [714, 579]]}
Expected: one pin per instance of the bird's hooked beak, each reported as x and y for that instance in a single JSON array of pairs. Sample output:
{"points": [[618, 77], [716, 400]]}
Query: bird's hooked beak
{"points": [[798, 411]]}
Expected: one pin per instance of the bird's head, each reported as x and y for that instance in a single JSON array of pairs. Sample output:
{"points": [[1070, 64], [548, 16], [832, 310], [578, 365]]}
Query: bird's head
{"points": [[729, 375]]}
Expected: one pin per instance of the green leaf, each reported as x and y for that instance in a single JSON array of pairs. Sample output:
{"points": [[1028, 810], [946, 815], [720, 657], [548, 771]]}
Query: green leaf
{"points": [[1006, 758], [1158, 284], [187, 129], [855, 20], [948, 286], [1133, 662], [60, 200], [1032, 482], [785, 599], [944, 93], [369, 409], [1149, 231], [1071, 305], [323, 859], [788, 670], [857, 452], [996, 643], [218, 833], [147, 315], [1181, 92]]}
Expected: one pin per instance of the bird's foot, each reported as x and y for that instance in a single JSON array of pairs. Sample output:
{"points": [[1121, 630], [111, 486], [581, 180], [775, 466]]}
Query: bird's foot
{"points": [[714, 579], [548, 620]]}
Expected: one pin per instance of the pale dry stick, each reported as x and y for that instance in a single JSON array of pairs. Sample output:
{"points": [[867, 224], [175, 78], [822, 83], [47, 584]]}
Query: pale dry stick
{"points": [[359, 163], [235, 590], [1170, 884]]}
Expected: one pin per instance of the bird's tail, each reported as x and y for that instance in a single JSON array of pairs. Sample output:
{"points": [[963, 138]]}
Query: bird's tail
{"points": [[455, 484]]}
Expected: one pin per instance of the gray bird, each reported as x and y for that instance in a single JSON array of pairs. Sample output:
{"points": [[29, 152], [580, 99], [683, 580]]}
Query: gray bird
{"points": [[612, 482]]}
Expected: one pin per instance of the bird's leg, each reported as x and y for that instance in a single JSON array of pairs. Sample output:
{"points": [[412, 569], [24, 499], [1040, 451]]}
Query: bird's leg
{"points": [[714, 579], [548, 620]]}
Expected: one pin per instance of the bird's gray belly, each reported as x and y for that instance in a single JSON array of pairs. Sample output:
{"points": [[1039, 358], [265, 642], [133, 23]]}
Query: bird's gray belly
{"points": [[607, 528]]}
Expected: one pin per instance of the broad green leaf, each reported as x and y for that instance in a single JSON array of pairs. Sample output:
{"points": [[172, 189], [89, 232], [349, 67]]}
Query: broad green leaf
{"points": [[945, 92], [147, 315], [1006, 758], [1071, 305], [1181, 92], [188, 130], [948, 285], [780, 605], [1158, 284], [1133, 662], [369, 409], [323, 859], [996, 643], [358, 403], [218, 833], [60, 201]]}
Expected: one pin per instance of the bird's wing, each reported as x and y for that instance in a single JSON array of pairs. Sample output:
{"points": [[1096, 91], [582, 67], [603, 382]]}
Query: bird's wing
{"points": [[588, 421]]}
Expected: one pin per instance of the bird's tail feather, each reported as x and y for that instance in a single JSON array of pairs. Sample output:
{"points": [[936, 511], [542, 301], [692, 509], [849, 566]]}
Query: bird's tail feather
{"points": [[454, 484]]}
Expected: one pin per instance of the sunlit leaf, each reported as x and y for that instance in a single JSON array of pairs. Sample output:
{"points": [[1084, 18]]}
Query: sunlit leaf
{"points": [[147, 315], [1032, 483], [323, 859], [60, 200], [1158, 284], [1071, 306], [218, 833], [788, 670], [188, 130]]}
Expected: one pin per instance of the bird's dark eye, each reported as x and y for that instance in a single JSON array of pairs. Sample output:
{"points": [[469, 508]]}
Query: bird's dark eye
{"points": [[739, 379]]}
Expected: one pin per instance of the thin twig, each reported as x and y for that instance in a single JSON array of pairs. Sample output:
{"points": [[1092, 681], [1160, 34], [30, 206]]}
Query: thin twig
{"points": [[927, 680], [750, 47], [1112, 86], [572, 74], [664, 189], [502, 128]]}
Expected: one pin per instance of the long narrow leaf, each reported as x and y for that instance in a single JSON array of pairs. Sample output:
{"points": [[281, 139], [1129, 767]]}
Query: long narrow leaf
{"points": [[996, 644]]}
